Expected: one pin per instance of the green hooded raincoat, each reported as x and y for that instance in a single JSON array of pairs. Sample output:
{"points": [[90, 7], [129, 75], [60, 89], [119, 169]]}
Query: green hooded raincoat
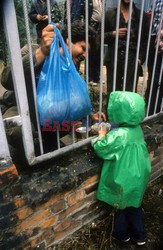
{"points": [[126, 167]]}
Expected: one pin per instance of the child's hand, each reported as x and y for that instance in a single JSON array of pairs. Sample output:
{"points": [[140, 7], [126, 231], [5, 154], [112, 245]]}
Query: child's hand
{"points": [[102, 129]]}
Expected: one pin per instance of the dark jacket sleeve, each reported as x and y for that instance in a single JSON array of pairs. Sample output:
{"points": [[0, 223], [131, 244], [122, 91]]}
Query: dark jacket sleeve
{"points": [[32, 14], [109, 26]]}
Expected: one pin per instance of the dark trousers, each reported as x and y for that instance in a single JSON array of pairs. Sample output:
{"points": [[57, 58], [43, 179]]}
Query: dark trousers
{"points": [[129, 222], [94, 57], [157, 85], [120, 75], [94, 66]]}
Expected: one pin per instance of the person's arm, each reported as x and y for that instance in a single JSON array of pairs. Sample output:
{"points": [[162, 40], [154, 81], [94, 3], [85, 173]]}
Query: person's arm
{"points": [[95, 116], [33, 15], [109, 35], [39, 55], [46, 40], [107, 146], [102, 131]]}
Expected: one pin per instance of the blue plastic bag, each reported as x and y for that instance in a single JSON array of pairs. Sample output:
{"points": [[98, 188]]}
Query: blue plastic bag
{"points": [[62, 94]]}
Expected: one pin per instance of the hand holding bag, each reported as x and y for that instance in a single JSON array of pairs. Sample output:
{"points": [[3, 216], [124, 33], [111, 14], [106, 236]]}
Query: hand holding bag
{"points": [[62, 94]]}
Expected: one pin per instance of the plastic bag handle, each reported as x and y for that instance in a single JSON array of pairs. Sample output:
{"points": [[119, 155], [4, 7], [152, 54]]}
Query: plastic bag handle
{"points": [[59, 38]]}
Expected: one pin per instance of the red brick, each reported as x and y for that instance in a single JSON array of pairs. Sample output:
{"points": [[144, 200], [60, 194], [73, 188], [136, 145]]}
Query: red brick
{"points": [[61, 235], [70, 210], [58, 206], [33, 220], [8, 174], [76, 207], [91, 188], [75, 197], [49, 222], [90, 181], [24, 212], [33, 243], [19, 202], [53, 200], [31, 232], [66, 194], [66, 223]]}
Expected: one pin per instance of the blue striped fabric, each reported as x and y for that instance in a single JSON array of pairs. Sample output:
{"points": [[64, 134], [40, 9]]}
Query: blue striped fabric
{"points": [[157, 16]]}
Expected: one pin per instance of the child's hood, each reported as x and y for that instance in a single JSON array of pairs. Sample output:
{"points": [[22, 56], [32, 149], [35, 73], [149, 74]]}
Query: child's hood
{"points": [[126, 108]]}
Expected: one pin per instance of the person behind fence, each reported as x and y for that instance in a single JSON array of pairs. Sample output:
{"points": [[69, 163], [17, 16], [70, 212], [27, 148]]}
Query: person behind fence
{"points": [[74, 4], [94, 20], [157, 85], [126, 167], [110, 38], [39, 15], [40, 52]]}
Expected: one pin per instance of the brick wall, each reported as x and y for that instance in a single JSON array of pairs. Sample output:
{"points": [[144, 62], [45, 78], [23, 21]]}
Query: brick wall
{"points": [[156, 156], [41, 206]]}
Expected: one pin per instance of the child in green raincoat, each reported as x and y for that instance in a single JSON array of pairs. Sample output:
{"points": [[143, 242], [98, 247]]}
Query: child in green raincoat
{"points": [[126, 168]]}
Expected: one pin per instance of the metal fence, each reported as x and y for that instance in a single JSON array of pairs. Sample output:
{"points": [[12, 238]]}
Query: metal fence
{"points": [[113, 3], [23, 119]]}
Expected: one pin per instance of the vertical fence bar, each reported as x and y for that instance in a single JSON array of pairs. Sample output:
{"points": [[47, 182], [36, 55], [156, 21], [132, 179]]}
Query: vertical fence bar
{"points": [[147, 54], [162, 105], [4, 149], [102, 56], [127, 45], [68, 6], [86, 39], [49, 10], [32, 72], [58, 139], [87, 55], [138, 45], [116, 45], [159, 84], [50, 20], [11, 31], [154, 65]]}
